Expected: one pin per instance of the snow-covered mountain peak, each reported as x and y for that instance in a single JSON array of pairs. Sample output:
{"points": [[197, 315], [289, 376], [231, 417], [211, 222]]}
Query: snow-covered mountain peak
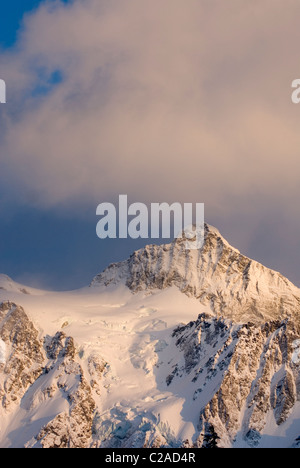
{"points": [[185, 348], [218, 275], [8, 284], [211, 234], [4, 279]]}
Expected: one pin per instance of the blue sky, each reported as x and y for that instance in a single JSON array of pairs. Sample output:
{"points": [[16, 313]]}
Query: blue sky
{"points": [[42, 247], [122, 97], [11, 17]]}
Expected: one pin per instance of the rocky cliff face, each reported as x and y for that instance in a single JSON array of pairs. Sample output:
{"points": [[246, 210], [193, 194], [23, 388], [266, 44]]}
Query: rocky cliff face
{"points": [[42, 370], [218, 275], [23, 354], [251, 371]]}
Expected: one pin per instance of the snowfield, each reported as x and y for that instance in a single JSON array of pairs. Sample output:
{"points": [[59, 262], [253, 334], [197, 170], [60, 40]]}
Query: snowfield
{"points": [[130, 332]]}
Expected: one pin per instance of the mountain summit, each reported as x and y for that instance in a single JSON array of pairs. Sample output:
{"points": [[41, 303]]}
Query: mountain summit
{"points": [[170, 348], [218, 275]]}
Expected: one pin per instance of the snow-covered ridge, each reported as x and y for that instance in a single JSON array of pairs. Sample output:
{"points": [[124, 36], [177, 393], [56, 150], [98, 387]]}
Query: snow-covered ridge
{"points": [[171, 348], [8, 284], [218, 275]]}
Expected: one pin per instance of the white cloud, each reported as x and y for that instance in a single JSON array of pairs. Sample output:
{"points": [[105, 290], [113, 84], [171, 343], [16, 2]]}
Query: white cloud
{"points": [[160, 100]]}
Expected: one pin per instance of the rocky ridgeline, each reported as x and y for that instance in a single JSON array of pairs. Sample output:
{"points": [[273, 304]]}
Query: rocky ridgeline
{"points": [[24, 354], [218, 275], [252, 369], [39, 370]]}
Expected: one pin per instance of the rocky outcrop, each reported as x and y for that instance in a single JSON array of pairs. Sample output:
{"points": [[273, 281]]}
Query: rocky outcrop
{"points": [[96, 368], [24, 354], [218, 275], [252, 369], [73, 427], [39, 370]]}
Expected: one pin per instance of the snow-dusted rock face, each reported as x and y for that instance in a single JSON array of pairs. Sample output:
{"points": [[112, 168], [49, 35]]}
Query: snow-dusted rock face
{"points": [[245, 375], [40, 372], [218, 275], [71, 428], [22, 354]]}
